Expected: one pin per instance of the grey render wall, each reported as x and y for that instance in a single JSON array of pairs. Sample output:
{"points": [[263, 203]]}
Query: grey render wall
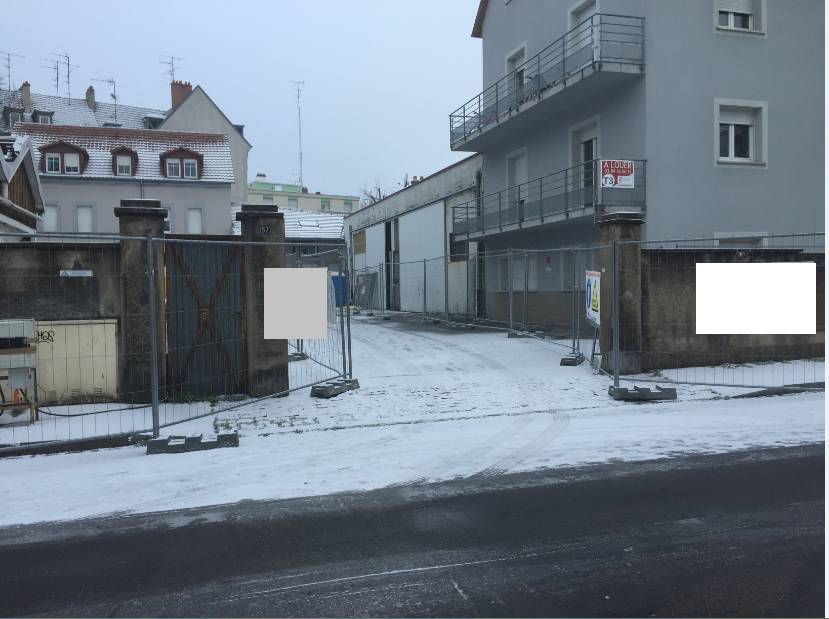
{"points": [[105, 195], [689, 64], [198, 113]]}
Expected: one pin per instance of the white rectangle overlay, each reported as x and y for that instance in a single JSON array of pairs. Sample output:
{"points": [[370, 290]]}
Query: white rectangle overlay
{"points": [[296, 304], [772, 298]]}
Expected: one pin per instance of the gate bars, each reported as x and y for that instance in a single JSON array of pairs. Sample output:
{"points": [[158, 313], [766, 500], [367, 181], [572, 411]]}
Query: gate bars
{"points": [[94, 298]]}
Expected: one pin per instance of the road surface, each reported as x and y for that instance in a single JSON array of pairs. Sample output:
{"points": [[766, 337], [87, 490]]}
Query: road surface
{"points": [[735, 534]]}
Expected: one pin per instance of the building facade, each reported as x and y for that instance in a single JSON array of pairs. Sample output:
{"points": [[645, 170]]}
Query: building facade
{"points": [[21, 198], [399, 244], [191, 110], [716, 106], [86, 171], [286, 195]]}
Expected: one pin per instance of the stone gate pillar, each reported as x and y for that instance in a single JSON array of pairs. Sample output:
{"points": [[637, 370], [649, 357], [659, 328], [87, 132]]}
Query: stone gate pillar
{"points": [[140, 218], [266, 361], [622, 227]]}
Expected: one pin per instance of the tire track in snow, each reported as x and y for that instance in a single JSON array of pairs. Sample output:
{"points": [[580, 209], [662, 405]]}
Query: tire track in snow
{"points": [[557, 426]]}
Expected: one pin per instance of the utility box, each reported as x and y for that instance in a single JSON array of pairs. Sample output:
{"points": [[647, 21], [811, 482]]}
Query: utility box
{"points": [[77, 361], [18, 372]]}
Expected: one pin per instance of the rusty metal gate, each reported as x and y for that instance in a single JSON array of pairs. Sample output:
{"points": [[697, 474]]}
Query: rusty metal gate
{"points": [[204, 315]]}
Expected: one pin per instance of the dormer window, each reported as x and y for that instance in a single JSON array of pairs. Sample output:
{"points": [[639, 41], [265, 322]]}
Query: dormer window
{"points": [[173, 168], [71, 163], [191, 168], [63, 158], [123, 165], [14, 118], [53, 163], [44, 118], [182, 163]]}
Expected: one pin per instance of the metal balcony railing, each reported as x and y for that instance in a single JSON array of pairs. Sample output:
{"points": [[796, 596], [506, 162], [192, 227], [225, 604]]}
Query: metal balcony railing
{"points": [[549, 198], [599, 38]]}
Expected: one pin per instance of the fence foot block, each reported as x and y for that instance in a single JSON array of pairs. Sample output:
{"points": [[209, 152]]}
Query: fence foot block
{"points": [[297, 356], [519, 334], [194, 442], [641, 394], [571, 360], [334, 388]]}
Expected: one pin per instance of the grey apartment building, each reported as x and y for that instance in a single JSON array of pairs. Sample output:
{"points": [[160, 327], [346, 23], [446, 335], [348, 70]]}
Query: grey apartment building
{"points": [[714, 109]]}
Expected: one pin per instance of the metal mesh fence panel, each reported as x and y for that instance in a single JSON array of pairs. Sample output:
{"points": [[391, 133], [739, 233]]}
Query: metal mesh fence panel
{"points": [[81, 314], [657, 316]]}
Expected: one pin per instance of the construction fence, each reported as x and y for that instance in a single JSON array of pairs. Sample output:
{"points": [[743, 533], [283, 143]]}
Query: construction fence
{"points": [[114, 335], [543, 293]]}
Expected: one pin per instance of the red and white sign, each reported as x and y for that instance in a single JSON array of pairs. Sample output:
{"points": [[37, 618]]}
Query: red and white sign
{"points": [[617, 173]]}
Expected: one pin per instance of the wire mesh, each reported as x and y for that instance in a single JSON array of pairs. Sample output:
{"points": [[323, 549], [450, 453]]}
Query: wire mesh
{"points": [[89, 367], [657, 278]]}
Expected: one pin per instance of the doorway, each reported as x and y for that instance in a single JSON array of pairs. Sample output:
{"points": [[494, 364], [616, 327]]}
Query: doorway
{"points": [[517, 177], [585, 151]]}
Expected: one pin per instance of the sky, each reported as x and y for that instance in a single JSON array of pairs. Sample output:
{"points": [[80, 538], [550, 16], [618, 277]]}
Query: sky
{"points": [[381, 76]]}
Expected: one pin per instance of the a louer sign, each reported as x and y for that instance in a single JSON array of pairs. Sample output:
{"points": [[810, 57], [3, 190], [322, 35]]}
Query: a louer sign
{"points": [[617, 173]]}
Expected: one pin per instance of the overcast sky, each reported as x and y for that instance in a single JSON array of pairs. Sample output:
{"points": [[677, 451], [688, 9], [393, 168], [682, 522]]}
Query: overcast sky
{"points": [[381, 76]]}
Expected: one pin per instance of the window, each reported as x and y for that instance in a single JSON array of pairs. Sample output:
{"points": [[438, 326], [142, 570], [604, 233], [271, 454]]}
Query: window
{"points": [[520, 276], [123, 165], [50, 218], [191, 168], [71, 163], [173, 168], [348, 206], [14, 118], [53, 163], [83, 218], [267, 198], [194, 221], [741, 132], [325, 205], [740, 15], [168, 219], [292, 203], [43, 119], [360, 242]]}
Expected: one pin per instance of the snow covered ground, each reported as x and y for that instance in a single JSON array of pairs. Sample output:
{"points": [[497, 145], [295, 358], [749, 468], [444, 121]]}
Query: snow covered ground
{"points": [[434, 404]]}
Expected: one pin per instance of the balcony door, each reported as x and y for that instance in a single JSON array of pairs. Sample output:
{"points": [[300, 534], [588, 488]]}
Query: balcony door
{"points": [[517, 177]]}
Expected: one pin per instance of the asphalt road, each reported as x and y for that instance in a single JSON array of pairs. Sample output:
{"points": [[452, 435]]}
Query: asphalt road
{"points": [[739, 534]]}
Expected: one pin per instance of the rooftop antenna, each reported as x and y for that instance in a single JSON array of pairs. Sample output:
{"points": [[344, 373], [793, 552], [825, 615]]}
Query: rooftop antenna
{"points": [[7, 62], [170, 61], [299, 84], [54, 66], [69, 68], [113, 95]]}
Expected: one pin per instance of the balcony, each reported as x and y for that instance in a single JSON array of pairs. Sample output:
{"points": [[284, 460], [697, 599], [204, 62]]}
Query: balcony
{"points": [[598, 55], [561, 196]]}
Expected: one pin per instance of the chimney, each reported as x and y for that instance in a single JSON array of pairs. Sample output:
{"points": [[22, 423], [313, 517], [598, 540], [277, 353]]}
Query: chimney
{"points": [[90, 98], [179, 91], [27, 97]]}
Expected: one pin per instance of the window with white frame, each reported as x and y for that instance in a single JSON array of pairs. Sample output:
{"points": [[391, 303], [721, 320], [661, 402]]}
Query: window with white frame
{"points": [[325, 205], [44, 119], [741, 131], [173, 168], [84, 221], [348, 205], [292, 203], [71, 163], [123, 165], [740, 15], [14, 118], [191, 169], [195, 223], [50, 218], [53, 163]]}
